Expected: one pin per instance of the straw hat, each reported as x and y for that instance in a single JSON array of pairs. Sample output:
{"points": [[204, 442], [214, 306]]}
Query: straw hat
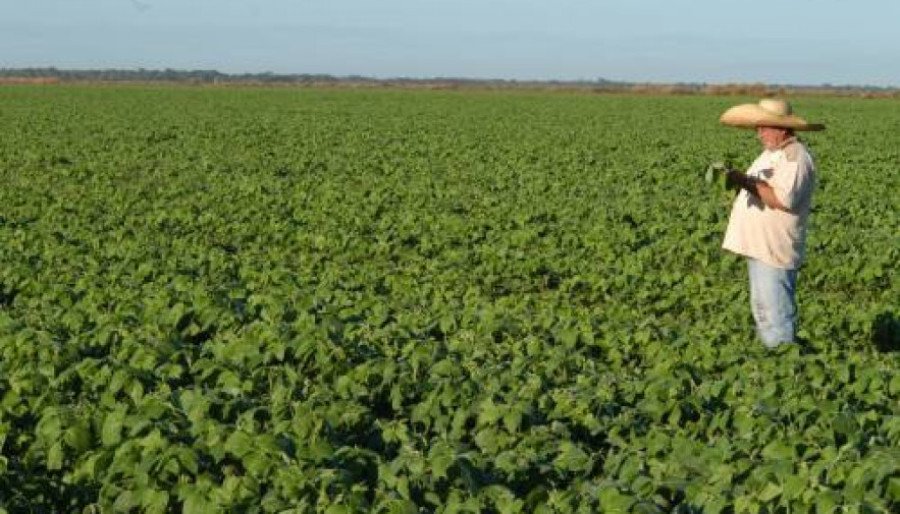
{"points": [[769, 112]]}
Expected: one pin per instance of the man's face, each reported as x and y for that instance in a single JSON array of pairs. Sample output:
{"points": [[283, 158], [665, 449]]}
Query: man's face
{"points": [[771, 137]]}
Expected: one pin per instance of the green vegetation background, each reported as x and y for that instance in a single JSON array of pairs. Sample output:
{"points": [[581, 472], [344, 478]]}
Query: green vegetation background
{"points": [[272, 299]]}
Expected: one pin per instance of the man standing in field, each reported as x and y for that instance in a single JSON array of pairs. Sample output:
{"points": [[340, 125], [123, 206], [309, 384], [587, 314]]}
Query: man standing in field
{"points": [[769, 217]]}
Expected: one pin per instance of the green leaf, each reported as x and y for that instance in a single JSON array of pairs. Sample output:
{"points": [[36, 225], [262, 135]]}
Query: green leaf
{"points": [[893, 489], [440, 458], [512, 419], [614, 502], [154, 502], [572, 458], [78, 436], [488, 412], [794, 486], [778, 450], [125, 502], [827, 501], [196, 502], [111, 434], [844, 424], [645, 507], [239, 443], [894, 385], [770, 492], [55, 456], [486, 439], [745, 503]]}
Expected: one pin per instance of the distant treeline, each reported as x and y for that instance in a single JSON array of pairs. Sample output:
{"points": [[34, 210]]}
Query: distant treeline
{"points": [[54, 75]]}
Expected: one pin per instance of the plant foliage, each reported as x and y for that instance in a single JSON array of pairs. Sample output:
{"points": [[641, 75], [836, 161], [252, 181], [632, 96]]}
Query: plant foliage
{"points": [[280, 300]]}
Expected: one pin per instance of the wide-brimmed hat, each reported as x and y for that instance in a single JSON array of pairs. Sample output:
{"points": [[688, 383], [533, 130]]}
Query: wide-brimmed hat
{"points": [[769, 112]]}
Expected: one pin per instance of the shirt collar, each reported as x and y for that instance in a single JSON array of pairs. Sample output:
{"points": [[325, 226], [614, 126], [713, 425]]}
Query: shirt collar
{"points": [[792, 139]]}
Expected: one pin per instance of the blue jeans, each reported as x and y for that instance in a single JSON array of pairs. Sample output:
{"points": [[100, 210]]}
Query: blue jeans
{"points": [[772, 302]]}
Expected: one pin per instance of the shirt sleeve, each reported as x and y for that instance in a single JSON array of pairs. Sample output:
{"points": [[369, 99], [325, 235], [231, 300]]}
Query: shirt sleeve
{"points": [[791, 181]]}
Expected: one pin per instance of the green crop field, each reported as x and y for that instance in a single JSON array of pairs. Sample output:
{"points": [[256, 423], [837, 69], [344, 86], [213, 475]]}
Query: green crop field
{"points": [[296, 300]]}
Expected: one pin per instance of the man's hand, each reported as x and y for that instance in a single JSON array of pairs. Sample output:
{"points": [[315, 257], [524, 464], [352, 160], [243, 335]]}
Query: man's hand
{"points": [[759, 188], [720, 173], [736, 180]]}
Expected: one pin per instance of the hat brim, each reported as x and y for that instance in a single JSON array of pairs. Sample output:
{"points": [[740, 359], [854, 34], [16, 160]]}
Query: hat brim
{"points": [[752, 116]]}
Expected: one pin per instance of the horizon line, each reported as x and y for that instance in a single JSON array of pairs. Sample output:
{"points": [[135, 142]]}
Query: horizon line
{"points": [[11, 72]]}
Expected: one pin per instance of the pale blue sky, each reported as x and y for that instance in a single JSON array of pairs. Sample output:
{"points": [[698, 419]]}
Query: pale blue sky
{"points": [[798, 41]]}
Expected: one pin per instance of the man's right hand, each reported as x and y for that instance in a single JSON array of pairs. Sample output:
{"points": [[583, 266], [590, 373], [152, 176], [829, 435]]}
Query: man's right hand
{"points": [[716, 171], [732, 179], [735, 180]]}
